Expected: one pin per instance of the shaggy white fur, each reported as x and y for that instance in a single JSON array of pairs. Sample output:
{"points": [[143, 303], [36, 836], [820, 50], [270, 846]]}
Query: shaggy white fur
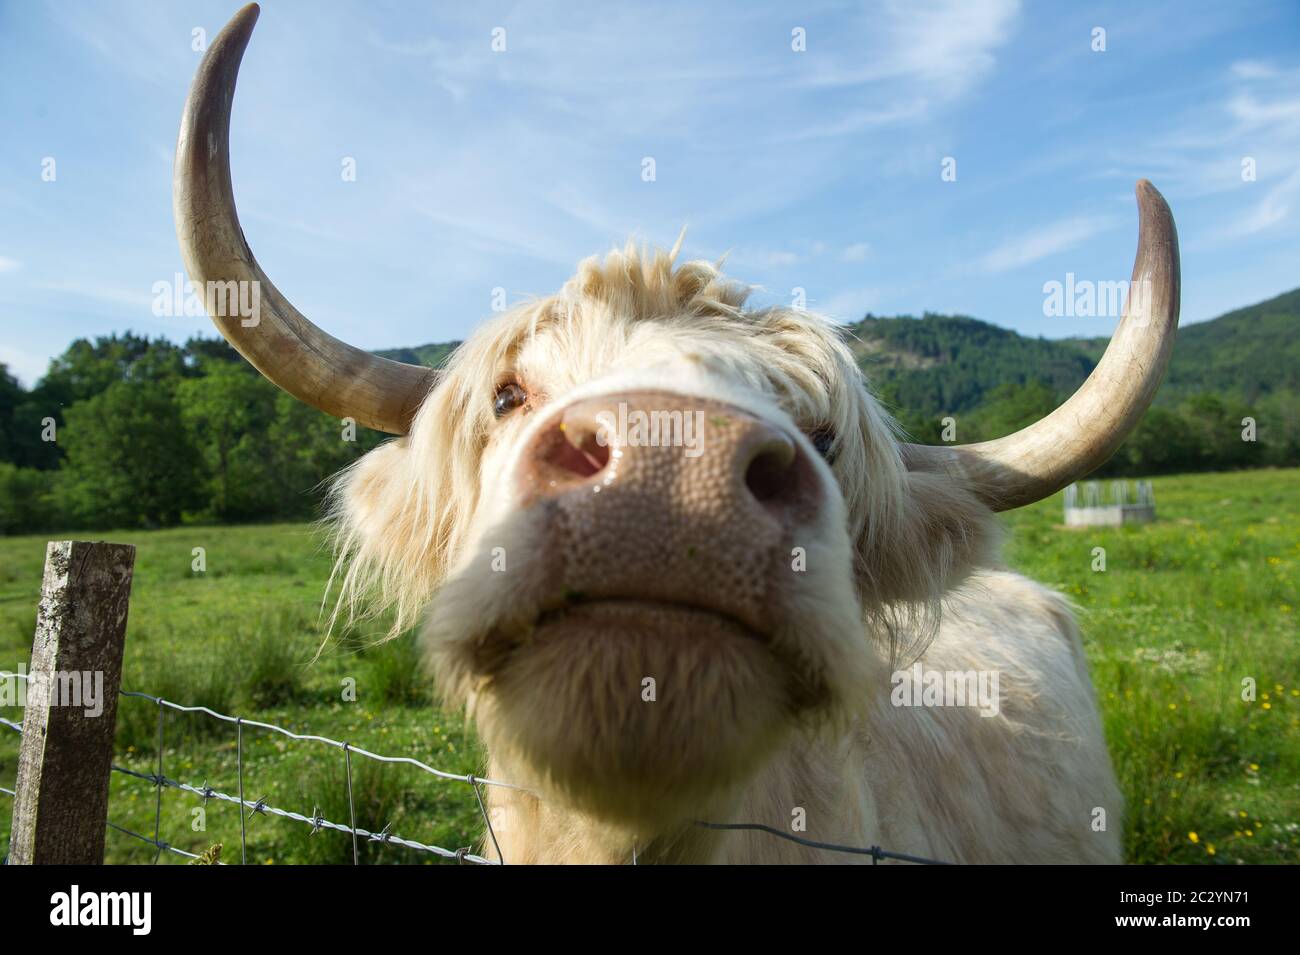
{"points": [[901, 566]]}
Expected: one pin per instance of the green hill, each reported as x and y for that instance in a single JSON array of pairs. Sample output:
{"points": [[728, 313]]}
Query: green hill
{"points": [[946, 364], [949, 364], [431, 355], [941, 364], [1246, 354], [992, 381]]}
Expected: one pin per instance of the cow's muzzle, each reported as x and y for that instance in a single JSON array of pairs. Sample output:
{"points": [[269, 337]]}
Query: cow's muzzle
{"points": [[659, 497]]}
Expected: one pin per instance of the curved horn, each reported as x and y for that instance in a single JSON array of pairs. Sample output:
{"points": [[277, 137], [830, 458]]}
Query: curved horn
{"points": [[266, 329], [1083, 433]]}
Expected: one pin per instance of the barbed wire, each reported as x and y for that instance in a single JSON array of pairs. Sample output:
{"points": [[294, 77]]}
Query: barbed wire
{"points": [[154, 842], [318, 822], [338, 744], [875, 852], [260, 806]]}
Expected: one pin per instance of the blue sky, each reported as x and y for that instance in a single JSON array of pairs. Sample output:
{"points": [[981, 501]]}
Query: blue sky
{"points": [[818, 169]]}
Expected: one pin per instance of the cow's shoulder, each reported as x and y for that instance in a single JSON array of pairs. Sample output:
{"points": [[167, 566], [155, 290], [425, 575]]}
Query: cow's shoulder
{"points": [[1008, 620]]}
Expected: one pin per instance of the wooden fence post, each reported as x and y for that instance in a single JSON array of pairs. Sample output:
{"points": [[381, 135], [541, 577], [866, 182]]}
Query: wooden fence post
{"points": [[66, 756]]}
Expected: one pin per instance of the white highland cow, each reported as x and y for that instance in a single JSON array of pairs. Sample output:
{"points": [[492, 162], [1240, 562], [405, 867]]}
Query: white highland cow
{"points": [[679, 565]]}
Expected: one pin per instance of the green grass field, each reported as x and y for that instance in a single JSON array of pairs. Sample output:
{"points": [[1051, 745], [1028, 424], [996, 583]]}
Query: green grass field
{"points": [[1185, 611]]}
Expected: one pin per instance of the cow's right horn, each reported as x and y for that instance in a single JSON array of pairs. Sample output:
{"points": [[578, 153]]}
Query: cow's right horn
{"points": [[1083, 433], [273, 335]]}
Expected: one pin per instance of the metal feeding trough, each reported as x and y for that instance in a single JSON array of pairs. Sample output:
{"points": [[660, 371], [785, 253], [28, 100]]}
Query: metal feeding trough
{"points": [[1087, 506]]}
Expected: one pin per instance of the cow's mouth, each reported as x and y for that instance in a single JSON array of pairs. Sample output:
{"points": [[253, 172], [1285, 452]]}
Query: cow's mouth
{"points": [[696, 635], [639, 710], [578, 606]]}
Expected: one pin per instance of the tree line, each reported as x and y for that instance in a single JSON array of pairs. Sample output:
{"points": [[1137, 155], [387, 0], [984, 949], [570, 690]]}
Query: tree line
{"points": [[1231, 398], [125, 431], [1201, 432]]}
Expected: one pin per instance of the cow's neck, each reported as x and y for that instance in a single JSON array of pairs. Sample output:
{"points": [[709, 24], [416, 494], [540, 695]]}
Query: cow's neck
{"points": [[532, 828], [802, 790]]}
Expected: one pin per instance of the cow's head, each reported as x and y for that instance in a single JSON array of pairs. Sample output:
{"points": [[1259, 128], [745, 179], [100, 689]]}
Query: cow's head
{"points": [[651, 532]]}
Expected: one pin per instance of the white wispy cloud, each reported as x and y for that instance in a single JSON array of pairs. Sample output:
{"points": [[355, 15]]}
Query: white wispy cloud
{"points": [[1044, 241], [1252, 113], [126, 38], [1276, 206], [105, 294], [1253, 70], [857, 121], [9, 265], [946, 44], [797, 252], [1198, 151], [848, 305]]}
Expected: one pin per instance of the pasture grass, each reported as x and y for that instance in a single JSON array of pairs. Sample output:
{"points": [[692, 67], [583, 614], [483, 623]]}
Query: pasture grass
{"points": [[1185, 611]]}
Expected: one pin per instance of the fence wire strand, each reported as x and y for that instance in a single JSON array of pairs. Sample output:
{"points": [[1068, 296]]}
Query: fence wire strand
{"points": [[875, 852], [260, 806], [317, 822], [154, 842], [339, 744], [157, 813], [239, 757], [352, 809]]}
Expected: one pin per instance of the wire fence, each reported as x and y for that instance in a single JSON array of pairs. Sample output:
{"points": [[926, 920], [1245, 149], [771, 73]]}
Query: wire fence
{"points": [[260, 806], [160, 781]]}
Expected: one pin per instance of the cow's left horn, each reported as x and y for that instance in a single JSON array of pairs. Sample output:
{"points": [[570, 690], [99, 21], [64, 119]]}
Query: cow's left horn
{"points": [[1083, 433], [265, 327]]}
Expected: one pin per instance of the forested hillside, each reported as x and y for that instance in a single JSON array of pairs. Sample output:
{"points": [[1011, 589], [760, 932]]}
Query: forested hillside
{"points": [[131, 432], [1247, 354], [949, 364], [946, 364], [127, 431], [430, 355], [1227, 375]]}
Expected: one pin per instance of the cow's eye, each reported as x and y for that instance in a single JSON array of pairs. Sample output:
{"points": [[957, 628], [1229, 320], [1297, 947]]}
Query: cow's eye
{"points": [[509, 397], [823, 439]]}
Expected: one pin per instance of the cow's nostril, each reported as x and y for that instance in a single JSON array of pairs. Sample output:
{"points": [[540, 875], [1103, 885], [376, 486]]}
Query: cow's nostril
{"points": [[578, 452], [771, 474]]}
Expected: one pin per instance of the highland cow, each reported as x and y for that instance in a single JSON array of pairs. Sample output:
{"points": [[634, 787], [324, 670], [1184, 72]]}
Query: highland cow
{"points": [[651, 630]]}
